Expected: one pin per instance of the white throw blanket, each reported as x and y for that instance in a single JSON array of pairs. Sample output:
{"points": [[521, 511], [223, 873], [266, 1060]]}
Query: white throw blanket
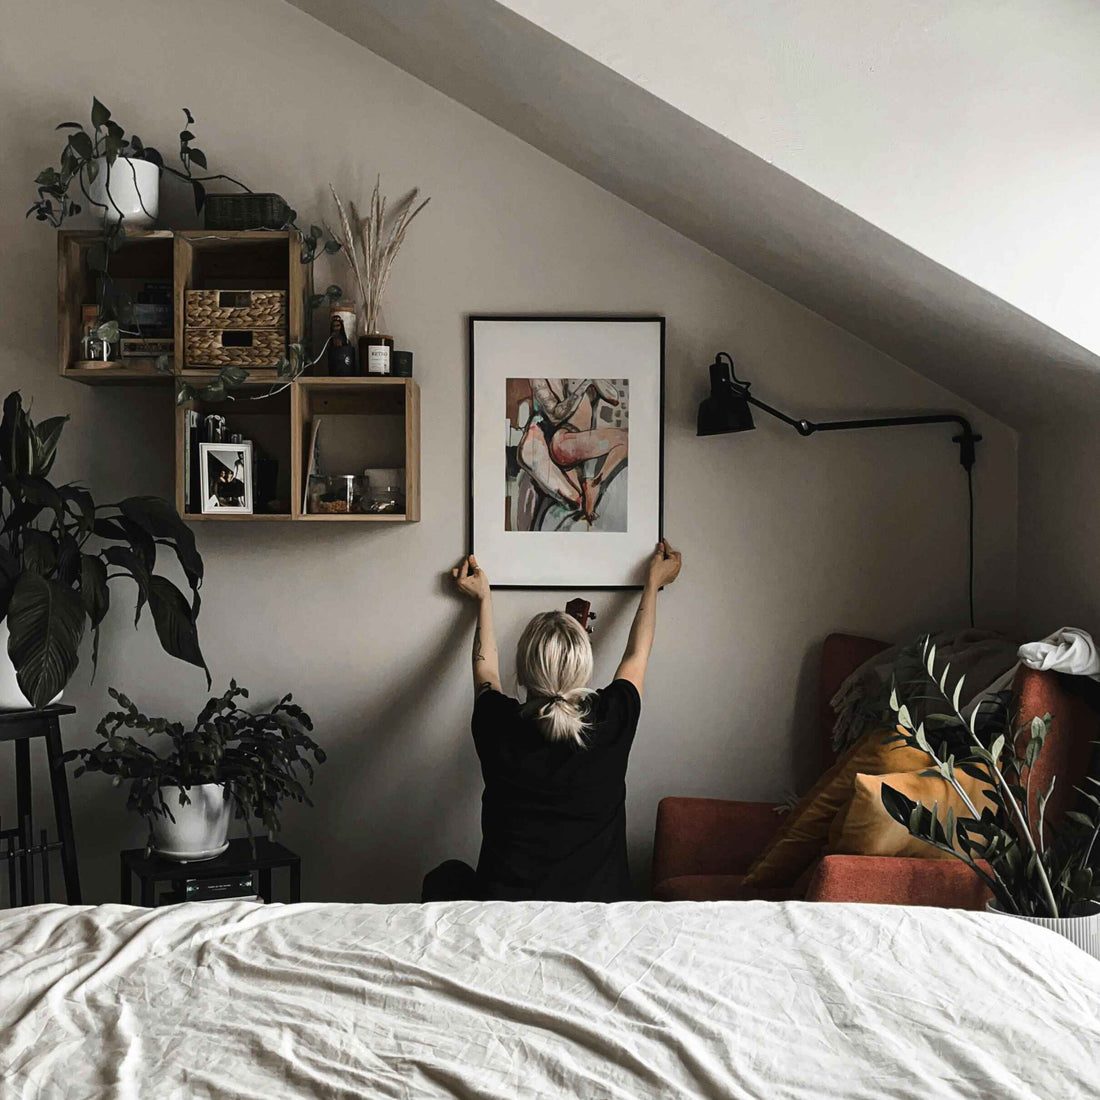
{"points": [[793, 1001], [1069, 650]]}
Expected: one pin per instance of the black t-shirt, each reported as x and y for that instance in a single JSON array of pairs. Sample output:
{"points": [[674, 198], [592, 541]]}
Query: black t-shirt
{"points": [[553, 816]]}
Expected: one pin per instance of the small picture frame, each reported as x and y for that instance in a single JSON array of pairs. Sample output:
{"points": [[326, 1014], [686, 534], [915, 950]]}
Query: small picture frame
{"points": [[225, 473]]}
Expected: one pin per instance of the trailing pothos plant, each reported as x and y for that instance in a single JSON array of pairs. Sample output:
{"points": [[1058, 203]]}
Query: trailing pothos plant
{"points": [[59, 551], [233, 377], [1033, 868], [257, 755]]}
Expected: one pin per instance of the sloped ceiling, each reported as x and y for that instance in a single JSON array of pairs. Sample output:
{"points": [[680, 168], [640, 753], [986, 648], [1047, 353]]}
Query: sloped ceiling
{"points": [[731, 201]]}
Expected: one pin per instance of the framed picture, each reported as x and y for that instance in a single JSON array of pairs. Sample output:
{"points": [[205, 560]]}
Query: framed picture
{"points": [[566, 448], [225, 475]]}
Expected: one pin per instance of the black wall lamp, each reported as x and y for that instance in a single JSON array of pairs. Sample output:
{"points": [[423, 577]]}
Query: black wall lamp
{"points": [[727, 410]]}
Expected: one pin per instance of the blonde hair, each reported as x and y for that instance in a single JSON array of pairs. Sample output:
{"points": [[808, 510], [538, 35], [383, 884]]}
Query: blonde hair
{"points": [[554, 664]]}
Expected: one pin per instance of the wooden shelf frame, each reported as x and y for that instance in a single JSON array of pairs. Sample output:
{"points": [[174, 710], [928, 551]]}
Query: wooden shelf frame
{"points": [[365, 396], [213, 259], [308, 396], [229, 260]]}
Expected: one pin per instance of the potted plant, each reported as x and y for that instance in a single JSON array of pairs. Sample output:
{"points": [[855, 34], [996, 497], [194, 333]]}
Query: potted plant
{"points": [[59, 551], [231, 760], [118, 176], [1045, 875]]}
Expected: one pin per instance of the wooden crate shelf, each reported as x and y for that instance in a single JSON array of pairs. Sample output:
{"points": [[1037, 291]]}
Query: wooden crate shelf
{"points": [[371, 422], [377, 425]]}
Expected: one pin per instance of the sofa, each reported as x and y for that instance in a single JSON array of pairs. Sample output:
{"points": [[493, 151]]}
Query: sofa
{"points": [[703, 847]]}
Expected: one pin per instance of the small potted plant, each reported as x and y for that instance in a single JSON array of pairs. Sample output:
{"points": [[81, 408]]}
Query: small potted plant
{"points": [[232, 761], [59, 551], [1050, 876]]}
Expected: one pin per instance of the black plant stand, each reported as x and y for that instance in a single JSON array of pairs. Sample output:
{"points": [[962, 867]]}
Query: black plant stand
{"points": [[238, 858], [21, 727]]}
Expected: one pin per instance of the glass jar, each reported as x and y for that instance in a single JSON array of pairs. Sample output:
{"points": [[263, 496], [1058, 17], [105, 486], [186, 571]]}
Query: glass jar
{"points": [[336, 494]]}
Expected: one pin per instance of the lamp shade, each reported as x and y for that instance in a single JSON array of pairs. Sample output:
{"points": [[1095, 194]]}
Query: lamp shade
{"points": [[727, 408]]}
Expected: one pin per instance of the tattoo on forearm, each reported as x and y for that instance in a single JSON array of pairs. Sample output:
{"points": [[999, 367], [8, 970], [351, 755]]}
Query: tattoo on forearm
{"points": [[479, 653]]}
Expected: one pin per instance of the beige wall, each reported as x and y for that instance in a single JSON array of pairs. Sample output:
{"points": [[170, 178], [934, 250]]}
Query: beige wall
{"points": [[785, 539], [1059, 527]]}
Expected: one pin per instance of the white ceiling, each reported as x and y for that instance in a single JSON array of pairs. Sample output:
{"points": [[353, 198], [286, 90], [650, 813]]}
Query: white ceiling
{"points": [[714, 190]]}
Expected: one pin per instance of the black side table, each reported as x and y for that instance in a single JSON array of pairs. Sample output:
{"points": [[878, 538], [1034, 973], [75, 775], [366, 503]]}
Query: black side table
{"points": [[20, 727], [237, 859]]}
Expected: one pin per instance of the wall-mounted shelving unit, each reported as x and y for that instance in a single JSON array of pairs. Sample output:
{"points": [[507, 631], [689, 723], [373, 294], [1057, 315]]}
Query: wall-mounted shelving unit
{"points": [[369, 422]]}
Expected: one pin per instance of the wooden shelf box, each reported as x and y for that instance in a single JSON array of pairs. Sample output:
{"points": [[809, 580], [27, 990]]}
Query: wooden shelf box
{"points": [[143, 257], [368, 423], [371, 423]]}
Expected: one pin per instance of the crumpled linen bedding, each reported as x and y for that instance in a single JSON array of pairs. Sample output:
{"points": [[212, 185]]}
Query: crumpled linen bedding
{"points": [[516, 1000]]}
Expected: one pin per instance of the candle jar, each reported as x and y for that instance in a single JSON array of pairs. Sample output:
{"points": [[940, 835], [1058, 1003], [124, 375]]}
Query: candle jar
{"points": [[374, 353]]}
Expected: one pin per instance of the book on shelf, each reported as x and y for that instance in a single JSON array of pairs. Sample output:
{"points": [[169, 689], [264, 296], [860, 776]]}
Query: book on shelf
{"points": [[240, 886], [190, 458]]}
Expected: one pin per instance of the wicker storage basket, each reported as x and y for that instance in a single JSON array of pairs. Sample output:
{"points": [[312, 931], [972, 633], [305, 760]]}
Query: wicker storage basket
{"points": [[247, 211], [220, 347], [236, 309]]}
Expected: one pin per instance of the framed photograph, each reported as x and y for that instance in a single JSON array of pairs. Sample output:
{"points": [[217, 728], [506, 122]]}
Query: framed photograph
{"points": [[225, 477], [566, 448]]}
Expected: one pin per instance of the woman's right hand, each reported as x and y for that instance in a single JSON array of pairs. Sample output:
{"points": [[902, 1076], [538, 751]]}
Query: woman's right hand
{"points": [[664, 565], [471, 579]]}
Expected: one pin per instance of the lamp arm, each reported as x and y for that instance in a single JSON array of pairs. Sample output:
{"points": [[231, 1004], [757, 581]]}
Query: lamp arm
{"points": [[965, 440]]}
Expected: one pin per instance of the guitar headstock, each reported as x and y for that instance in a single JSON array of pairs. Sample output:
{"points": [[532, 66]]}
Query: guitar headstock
{"points": [[581, 610]]}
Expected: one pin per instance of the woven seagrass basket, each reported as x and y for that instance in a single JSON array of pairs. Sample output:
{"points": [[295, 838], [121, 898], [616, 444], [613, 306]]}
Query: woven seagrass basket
{"points": [[218, 347], [247, 211], [236, 309]]}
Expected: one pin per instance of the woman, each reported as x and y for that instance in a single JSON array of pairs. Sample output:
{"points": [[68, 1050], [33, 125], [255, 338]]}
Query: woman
{"points": [[553, 816]]}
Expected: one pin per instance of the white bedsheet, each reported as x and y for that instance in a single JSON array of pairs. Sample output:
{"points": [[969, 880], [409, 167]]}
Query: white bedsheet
{"points": [[533, 1000]]}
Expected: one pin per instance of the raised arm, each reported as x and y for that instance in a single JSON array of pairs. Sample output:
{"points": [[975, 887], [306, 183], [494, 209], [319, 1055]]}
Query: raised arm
{"points": [[664, 566], [472, 582]]}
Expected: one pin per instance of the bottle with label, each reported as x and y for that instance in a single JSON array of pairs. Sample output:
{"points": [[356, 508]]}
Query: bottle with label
{"points": [[374, 353]]}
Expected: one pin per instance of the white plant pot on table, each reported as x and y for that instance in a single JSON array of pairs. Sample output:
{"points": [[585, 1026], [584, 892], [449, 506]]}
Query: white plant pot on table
{"points": [[134, 191], [11, 695], [1083, 931], [201, 826]]}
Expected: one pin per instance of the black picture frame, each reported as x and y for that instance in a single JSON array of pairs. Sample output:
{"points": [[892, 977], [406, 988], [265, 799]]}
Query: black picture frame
{"points": [[471, 320]]}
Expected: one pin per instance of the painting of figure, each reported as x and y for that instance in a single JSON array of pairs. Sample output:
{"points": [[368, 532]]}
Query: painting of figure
{"points": [[567, 450]]}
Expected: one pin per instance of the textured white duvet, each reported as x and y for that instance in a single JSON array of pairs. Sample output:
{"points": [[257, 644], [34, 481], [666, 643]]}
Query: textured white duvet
{"points": [[531, 1000]]}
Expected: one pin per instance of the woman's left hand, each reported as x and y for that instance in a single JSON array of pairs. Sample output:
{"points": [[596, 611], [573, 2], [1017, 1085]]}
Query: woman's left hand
{"points": [[471, 579]]}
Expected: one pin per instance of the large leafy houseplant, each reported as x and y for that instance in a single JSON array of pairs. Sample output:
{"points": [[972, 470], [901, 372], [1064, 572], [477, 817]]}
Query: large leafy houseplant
{"points": [[59, 551], [256, 755], [1032, 868]]}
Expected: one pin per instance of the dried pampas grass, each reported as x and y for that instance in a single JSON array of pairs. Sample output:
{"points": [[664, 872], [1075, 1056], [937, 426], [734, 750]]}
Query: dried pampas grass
{"points": [[371, 244]]}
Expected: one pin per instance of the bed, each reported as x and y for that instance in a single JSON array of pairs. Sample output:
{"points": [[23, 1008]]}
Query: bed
{"points": [[633, 1000]]}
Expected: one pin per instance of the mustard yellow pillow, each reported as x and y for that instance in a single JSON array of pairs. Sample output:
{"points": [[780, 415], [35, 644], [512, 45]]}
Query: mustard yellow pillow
{"points": [[868, 830], [804, 834]]}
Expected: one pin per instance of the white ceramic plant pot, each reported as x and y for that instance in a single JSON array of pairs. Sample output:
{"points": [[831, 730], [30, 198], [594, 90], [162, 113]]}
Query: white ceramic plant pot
{"points": [[1083, 931], [11, 696], [135, 191], [200, 827]]}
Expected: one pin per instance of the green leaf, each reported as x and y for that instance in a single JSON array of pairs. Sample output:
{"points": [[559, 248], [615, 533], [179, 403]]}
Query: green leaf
{"points": [[46, 621], [122, 557], [175, 623], [160, 520], [81, 145], [197, 156], [100, 114]]}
